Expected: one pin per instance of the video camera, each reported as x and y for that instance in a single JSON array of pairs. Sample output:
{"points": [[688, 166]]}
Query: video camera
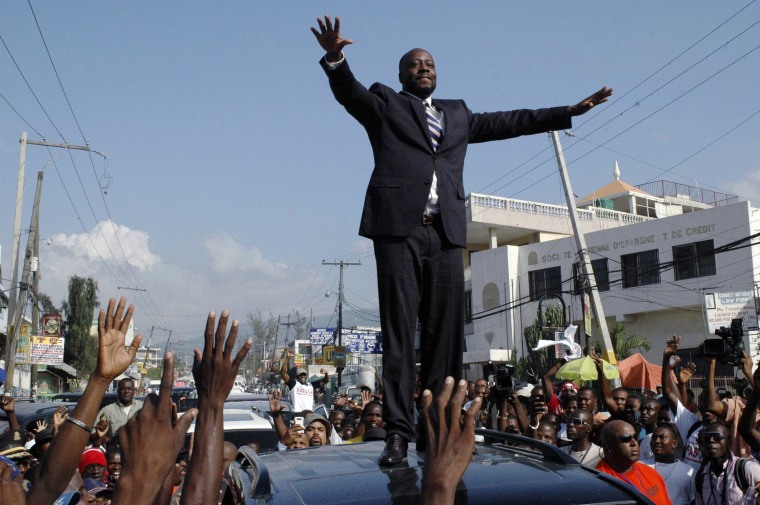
{"points": [[501, 382], [729, 348]]}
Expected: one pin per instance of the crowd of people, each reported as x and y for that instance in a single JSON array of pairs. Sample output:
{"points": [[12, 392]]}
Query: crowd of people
{"points": [[134, 452]]}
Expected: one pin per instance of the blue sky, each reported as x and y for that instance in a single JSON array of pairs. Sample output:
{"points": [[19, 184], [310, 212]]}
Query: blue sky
{"points": [[234, 173]]}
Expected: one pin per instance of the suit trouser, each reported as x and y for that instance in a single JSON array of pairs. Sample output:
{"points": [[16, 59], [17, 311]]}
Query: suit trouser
{"points": [[419, 277]]}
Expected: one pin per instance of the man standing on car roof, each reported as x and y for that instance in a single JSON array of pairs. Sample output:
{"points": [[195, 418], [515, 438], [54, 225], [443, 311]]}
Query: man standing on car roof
{"points": [[301, 390], [123, 409]]}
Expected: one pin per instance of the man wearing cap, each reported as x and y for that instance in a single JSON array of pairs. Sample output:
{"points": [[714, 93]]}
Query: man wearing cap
{"points": [[318, 430], [301, 390]]}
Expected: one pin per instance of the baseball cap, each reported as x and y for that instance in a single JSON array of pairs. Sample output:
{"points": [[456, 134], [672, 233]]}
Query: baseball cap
{"points": [[316, 417], [300, 371]]}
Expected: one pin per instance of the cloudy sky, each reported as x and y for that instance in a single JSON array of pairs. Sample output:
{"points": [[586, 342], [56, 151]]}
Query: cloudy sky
{"points": [[231, 173]]}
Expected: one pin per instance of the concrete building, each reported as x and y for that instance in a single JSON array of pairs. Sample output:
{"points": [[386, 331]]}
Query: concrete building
{"points": [[657, 251]]}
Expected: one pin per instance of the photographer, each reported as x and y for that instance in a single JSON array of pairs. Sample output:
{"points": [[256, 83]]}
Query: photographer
{"points": [[729, 411]]}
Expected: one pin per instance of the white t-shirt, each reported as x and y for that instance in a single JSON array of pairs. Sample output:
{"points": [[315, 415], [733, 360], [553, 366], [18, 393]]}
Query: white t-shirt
{"points": [[646, 455], [685, 419], [679, 481], [302, 396], [590, 457]]}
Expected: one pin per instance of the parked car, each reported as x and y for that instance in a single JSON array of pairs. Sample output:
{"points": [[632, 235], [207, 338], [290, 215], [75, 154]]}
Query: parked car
{"points": [[533, 473], [242, 427], [31, 411], [108, 398], [258, 403]]}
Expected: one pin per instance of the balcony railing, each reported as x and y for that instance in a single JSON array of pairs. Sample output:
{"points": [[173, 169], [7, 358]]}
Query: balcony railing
{"points": [[544, 209], [695, 194]]}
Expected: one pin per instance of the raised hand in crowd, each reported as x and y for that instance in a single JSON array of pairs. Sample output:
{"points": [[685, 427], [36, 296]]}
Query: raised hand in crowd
{"points": [[8, 405], [214, 371], [603, 384], [275, 410], [11, 490], [64, 452], [747, 422], [669, 360], [101, 431], [150, 442], [449, 442], [746, 366], [59, 417], [366, 398]]}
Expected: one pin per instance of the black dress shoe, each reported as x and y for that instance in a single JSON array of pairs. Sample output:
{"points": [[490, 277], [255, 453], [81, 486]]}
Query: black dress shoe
{"points": [[394, 452]]}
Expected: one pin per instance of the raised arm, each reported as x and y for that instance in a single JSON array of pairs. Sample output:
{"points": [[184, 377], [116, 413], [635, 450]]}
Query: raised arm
{"points": [[284, 368], [8, 405], [330, 40], [275, 410], [150, 442], [668, 387], [114, 357], [449, 442], [687, 372], [747, 368], [548, 386], [746, 427], [214, 371], [714, 404], [605, 392], [587, 104], [325, 379]]}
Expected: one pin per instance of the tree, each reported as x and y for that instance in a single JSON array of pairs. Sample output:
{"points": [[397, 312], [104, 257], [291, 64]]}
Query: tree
{"points": [[46, 304], [533, 366], [263, 332], [624, 343], [81, 350]]}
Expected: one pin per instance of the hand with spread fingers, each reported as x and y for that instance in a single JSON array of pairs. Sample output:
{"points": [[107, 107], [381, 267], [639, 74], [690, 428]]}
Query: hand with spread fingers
{"points": [[150, 442], [329, 38], [449, 442], [214, 371], [592, 101], [113, 356]]}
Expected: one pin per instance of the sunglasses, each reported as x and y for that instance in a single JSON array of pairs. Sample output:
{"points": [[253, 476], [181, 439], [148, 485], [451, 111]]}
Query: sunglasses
{"points": [[712, 436], [576, 421], [626, 439]]}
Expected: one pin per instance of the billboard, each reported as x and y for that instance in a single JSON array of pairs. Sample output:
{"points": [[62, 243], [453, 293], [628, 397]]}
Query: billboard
{"points": [[47, 350], [355, 341]]}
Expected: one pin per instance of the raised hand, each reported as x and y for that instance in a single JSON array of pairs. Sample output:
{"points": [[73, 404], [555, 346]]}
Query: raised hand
{"points": [[449, 442], [41, 425], [671, 346], [8, 404], [59, 417], [150, 442], [214, 370], [113, 356], [102, 427], [275, 407], [366, 398], [686, 373], [592, 101], [329, 38], [10, 486]]}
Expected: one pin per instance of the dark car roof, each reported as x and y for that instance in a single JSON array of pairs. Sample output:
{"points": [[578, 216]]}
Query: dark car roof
{"points": [[350, 474]]}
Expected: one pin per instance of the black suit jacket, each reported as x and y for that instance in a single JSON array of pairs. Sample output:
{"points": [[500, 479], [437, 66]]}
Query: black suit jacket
{"points": [[404, 158]]}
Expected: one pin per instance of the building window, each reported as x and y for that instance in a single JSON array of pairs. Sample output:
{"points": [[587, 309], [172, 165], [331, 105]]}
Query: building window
{"points": [[640, 269], [545, 282], [468, 307], [645, 207], [601, 273], [694, 260]]}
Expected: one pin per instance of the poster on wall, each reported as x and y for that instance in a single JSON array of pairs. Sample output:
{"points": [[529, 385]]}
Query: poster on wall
{"points": [[724, 306], [47, 350]]}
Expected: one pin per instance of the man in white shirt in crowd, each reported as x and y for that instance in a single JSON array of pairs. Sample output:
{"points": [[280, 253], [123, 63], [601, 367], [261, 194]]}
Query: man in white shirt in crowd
{"points": [[582, 449], [301, 390], [678, 476]]}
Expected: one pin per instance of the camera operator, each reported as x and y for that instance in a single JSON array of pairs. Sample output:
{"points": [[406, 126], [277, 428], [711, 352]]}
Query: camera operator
{"points": [[729, 410]]}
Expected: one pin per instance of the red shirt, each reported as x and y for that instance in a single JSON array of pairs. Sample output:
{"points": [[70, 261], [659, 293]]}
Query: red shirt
{"points": [[643, 478]]}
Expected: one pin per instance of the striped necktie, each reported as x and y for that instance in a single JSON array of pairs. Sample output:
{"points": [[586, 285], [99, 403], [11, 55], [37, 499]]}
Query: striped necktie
{"points": [[434, 126]]}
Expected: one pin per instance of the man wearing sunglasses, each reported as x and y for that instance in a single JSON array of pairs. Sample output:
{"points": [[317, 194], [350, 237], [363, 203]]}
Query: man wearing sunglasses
{"points": [[723, 478], [621, 454], [578, 430]]}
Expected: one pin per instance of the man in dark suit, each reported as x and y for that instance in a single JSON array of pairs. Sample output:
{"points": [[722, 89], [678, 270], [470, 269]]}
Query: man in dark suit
{"points": [[414, 212]]}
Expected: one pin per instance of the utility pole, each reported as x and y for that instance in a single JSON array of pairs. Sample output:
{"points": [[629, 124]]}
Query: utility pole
{"points": [[608, 351], [35, 292], [145, 360], [10, 355], [13, 294], [342, 264]]}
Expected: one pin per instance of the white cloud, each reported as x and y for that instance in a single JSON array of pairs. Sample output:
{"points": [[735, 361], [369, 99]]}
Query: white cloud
{"points": [[227, 255], [746, 187], [109, 241]]}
